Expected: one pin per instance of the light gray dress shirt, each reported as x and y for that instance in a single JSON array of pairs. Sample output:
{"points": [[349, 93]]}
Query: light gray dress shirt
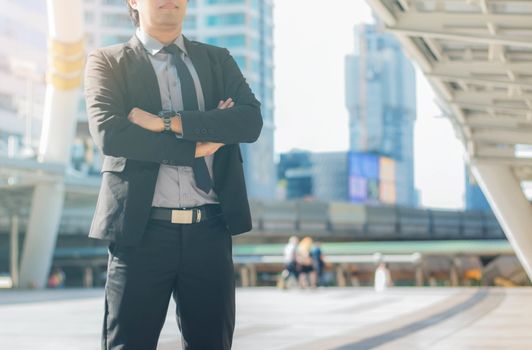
{"points": [[176, 187]]}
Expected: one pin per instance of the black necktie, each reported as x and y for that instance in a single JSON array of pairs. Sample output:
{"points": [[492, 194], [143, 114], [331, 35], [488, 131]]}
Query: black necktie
{"points": [[190, 103]]}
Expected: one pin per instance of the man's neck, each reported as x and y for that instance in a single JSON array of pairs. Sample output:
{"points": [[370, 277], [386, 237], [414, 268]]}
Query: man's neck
{"points": [[164, 36]]}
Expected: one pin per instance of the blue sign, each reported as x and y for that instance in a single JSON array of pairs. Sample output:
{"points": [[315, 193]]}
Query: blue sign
{"points": [[364, 165]]}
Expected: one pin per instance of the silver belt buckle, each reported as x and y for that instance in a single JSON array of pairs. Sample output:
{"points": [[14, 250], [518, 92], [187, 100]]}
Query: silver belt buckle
{"points": [[182, 216]]}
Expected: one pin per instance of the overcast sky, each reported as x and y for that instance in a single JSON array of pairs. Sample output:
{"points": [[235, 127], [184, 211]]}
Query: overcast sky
{"points": [[311, 40]]}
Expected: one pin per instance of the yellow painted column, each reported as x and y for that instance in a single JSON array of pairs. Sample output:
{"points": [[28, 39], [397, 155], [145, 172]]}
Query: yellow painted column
{"points": [[66, 54]]}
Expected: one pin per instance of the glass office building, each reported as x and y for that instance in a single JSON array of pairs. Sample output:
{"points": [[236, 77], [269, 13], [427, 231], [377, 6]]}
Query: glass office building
{"points": [[381, 100], [245, 27], [321, 176]]}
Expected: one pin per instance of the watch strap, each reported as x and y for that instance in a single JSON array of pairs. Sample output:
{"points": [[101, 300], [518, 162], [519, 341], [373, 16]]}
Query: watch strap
{"points": [[167, 123]]}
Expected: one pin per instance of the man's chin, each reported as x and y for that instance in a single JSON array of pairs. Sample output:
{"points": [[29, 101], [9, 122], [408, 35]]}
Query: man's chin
{"points": [[169, 21]]}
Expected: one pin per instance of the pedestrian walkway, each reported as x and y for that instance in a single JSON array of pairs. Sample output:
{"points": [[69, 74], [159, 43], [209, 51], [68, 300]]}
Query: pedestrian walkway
{"points": [[330, 318]]}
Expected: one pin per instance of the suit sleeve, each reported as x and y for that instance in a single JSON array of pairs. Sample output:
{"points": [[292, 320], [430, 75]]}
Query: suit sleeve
{"points": [[112, 131], [242, 123]]}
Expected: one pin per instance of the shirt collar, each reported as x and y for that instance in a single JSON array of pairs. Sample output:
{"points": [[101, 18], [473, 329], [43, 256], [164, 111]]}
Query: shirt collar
{"points": [[154, 46]]}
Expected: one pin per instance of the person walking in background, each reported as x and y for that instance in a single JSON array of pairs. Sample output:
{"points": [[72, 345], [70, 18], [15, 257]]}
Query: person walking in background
{"points": [[317, 262], [307, 275], [290, 262], [57, 278], [169, 114], [383, 278]]}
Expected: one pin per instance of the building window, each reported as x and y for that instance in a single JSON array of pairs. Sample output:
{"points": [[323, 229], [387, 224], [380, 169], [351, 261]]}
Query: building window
{"points": [[229, 19], [255, 23], [117, 20], [227, 40], [190, 22]]}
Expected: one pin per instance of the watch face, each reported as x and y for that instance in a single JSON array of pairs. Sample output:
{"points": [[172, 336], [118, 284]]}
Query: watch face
{"points": [[166, 114]]}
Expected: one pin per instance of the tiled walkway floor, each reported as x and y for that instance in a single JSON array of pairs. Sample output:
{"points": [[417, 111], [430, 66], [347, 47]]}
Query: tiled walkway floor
{"points": [[331, 318]]}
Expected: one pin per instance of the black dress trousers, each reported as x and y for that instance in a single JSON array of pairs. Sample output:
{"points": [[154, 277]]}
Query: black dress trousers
{"points": [[191, 262]]}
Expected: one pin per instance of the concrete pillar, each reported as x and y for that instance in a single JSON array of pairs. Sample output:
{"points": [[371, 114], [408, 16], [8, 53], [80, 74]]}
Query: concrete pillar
{"points": [[88, 277], [13, 255], [453, 275], [252, 275], [66, 57], [39, 244], [244, 276], [509, 204], [340, 276], [419, 275]]}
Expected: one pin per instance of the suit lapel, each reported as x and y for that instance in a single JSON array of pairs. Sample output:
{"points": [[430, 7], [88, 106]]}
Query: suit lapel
{"points": [[201, 63], [143, 73]]}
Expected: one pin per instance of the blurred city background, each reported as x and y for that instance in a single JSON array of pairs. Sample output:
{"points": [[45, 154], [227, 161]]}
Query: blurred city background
{"points": [[377, 115]]}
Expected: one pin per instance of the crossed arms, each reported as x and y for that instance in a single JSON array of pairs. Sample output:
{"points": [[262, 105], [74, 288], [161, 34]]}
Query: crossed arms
{"points": [[134, 137], [153, 123]]}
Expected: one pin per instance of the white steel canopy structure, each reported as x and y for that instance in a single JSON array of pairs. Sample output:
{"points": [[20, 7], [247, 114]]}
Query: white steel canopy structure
{"points": [[477, 55]]}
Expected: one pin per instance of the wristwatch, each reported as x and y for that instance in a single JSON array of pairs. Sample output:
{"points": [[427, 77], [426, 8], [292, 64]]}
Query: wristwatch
{"points": [[166, 116]]}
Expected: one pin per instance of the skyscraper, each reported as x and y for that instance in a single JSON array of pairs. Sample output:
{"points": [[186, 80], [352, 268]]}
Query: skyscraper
{"points": [[245, 27], [380, 98]]}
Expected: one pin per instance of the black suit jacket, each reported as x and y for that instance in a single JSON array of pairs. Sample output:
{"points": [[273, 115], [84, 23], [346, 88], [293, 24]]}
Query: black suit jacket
{"points": [[121, 77]]}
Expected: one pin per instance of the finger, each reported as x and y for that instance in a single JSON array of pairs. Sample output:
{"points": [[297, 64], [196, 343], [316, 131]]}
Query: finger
{"points": [[231, 105], [226, 104], [221, 103]]}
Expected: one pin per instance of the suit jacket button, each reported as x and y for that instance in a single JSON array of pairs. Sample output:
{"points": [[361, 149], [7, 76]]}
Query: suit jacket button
{"points": [[203, 131]]}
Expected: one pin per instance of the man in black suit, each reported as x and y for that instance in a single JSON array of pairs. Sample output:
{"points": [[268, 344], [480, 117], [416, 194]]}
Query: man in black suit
{"points": [[169, 114]]}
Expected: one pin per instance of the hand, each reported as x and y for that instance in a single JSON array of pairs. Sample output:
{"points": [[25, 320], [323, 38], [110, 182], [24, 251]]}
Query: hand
{"points": [[146, 120], [226, 104], [204, 149]]}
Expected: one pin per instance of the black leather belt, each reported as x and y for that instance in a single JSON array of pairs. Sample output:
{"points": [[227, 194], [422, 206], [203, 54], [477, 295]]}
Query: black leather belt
{"points": [[186, 215]]}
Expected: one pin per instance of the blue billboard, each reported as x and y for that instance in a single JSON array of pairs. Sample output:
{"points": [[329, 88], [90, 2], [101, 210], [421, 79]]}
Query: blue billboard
{"points": [[364, 165], [364, 177]]}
